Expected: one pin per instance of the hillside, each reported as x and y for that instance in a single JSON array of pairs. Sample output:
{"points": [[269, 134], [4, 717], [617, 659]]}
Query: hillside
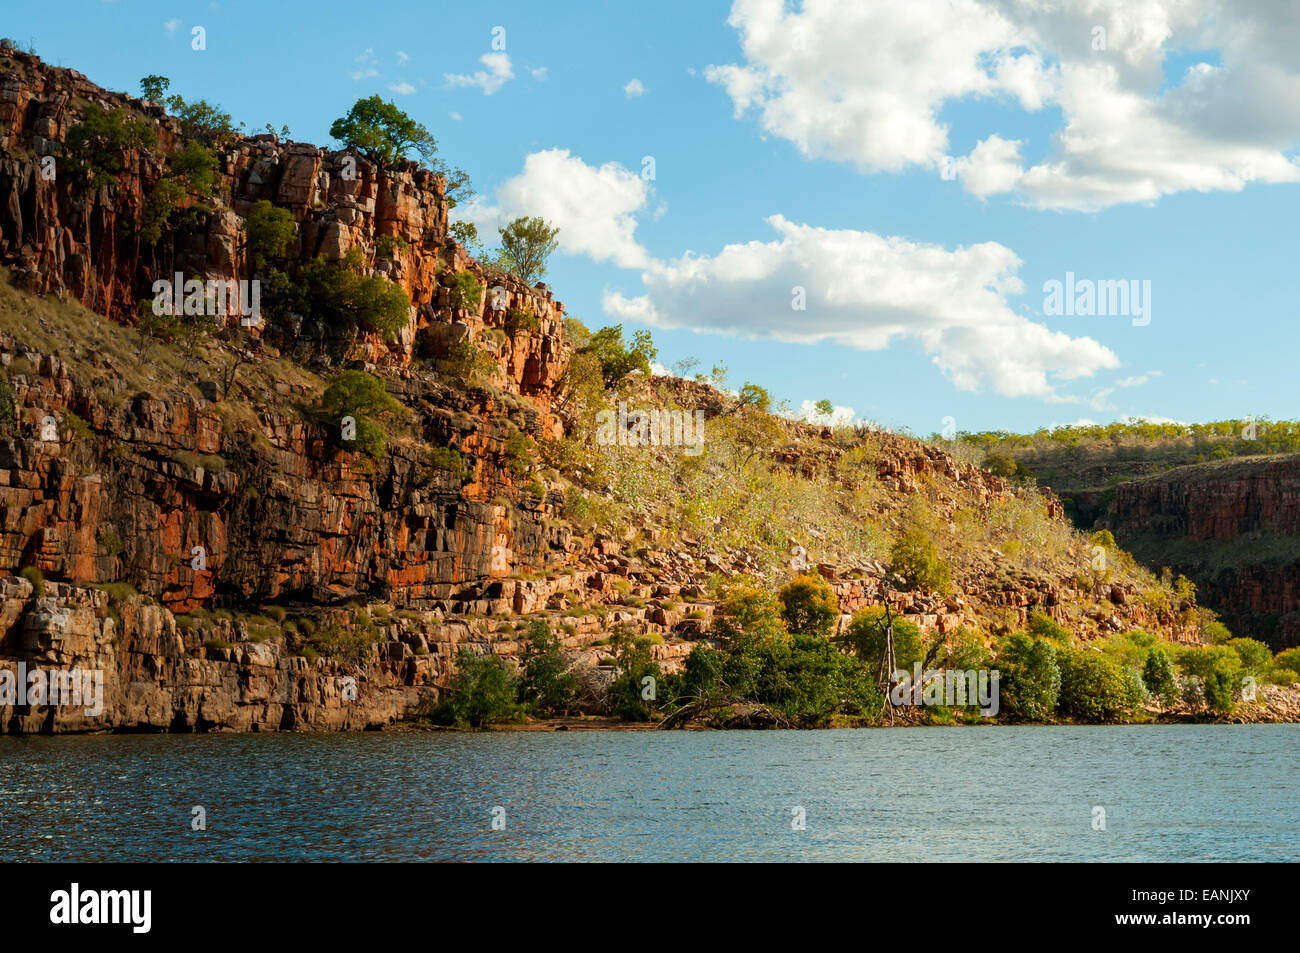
{"points": [[193, 516], [1215, 502]]}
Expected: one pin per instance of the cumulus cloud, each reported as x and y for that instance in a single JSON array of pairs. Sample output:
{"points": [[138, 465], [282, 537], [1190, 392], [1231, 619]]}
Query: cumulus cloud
{"points": [[402, 89], [866, 84], [594, 206], [863, 290], [634, 88], [171, 26], [497, 73], [838, 417]]}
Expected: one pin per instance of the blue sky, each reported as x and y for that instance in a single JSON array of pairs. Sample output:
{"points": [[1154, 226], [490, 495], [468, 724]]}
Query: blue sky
{"points": [[919, 172]]}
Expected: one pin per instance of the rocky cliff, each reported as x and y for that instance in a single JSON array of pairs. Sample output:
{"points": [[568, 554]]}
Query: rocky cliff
{"points": [[1234, 528], [194, 528]]}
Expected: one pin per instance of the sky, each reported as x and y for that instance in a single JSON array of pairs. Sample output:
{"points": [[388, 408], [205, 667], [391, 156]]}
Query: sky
{"points": [[859, 201]]}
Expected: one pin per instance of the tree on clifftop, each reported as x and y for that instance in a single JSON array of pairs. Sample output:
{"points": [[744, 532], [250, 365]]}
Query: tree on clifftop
{"points": [[526, 244], [383, 131], [386, 134]]}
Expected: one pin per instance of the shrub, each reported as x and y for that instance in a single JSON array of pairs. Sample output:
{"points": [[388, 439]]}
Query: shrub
{"points": [[482, 692], [1216, 633], [1045, 627], [522, 321], [1219, 685], [216, 643], [633, 663], [547, 683], [1030, 677], [331, 292], [746, 611], [809, 606], [203, 121], [1255, 656], [362, 397], [448, 460], [518, 453], [96, 145], [8, 410], [465, 290], [915, 558], [865, 635], [616, 357], [1092, 686], [36, 578], [1159, 676], [1288, 659], [270, 231], [353, 643], [387, 245]]}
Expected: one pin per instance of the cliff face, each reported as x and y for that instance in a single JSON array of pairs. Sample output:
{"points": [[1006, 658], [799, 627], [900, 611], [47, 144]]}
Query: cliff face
{"points": [[196, 520], [1231, 527]]}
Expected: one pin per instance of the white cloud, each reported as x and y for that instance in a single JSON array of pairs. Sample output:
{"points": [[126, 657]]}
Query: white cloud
{"points": [[540, 74], [865, 291], [402, 89], [838, 417], [868, 83], [172, 25], [497, 74], [456, 116], [365, 65], [402, 58], [594, 207], [634, 88]]}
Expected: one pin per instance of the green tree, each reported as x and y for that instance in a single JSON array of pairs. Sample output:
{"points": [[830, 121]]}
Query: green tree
{"points": [[1030, 680], [97, 145], [618, 358], [547, 684], [201, 120], [362, 397], [1159, 676], [865, 636], [526, 245], [633, 664], [809, 606], [1092, 686], [269, 231], [915, 557], [341, 292], [751, 395], [383, 131], [153, 87], [482, 692]]}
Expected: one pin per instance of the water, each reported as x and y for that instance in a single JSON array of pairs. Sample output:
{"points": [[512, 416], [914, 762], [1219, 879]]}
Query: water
{"points": [[1170, 793]]}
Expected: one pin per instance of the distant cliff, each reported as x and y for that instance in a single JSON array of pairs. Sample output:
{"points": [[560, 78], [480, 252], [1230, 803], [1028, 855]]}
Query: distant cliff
{"points": [[1233, 527]]}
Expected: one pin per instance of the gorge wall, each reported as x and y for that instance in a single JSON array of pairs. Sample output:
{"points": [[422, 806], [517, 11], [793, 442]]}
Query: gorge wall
{"points": [[125, 468], [1233, 527]]}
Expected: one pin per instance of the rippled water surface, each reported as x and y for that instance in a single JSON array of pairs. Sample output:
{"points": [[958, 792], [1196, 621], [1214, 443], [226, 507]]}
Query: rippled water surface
{"points": [[1185, 793]]}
